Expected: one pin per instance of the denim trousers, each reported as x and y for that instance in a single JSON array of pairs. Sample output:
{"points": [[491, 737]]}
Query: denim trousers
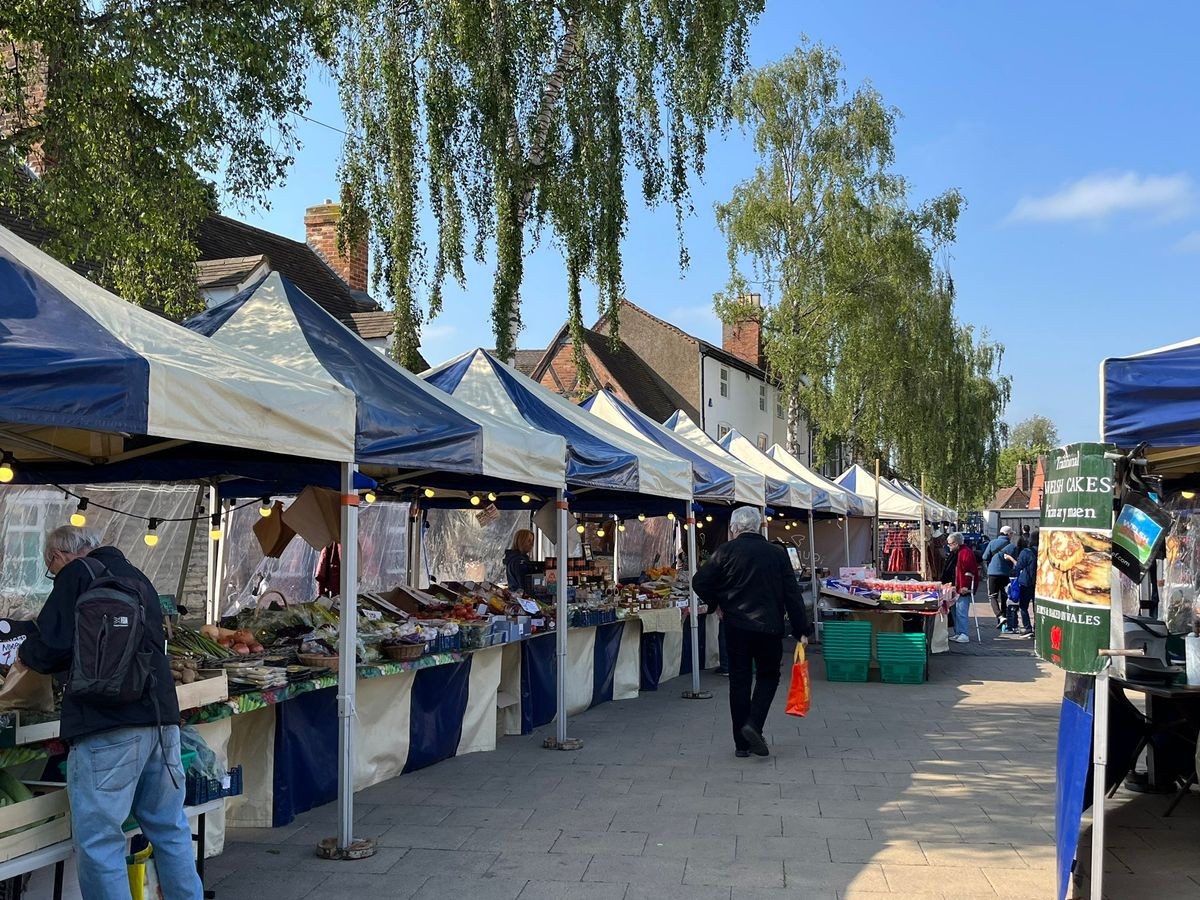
{"points": [[962, 614], [113, 774]]}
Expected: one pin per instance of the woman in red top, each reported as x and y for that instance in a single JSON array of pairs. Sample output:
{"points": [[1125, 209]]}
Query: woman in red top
{"points": [[966, 576]]}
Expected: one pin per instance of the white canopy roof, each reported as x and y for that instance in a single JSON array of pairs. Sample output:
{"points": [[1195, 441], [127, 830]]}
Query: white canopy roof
{"points": [[841, 501], [799, 494], [933, 509], [893, 503]]}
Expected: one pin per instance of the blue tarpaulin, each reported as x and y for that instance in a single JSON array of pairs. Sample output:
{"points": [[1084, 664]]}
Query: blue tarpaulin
{"points": [[1152, 397]]}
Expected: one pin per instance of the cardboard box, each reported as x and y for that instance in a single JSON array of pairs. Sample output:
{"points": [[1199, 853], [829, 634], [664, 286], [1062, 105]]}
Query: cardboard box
{"points": [[50, 803], [211, 687]]}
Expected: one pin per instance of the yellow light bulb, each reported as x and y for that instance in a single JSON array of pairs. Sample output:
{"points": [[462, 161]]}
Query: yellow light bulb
{"points": [[770, 518], [215, 534], [699, 525], [525, 498], [369, 496], [599, 532], [150, 538], [686, 526], [1188, 495], [6, 472], [265, 510], [429, 493], [641, 517], [78, 519], [579, 528], [492, 496], [708, 518], [671, 516], [620, 527], [475, 500]]}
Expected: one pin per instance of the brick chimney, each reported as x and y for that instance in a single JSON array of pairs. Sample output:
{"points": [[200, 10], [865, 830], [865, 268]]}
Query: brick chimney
{"points": [[320, 233], [1024, 477], [27, 63], [744, 339]]}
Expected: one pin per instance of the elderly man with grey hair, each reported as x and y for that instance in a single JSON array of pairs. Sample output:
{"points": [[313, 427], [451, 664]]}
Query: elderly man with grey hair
{"points": [[752, 585], [966, 574], [124, 757]]}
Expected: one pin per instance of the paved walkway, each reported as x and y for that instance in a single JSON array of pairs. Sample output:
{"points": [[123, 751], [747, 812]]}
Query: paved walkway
{"points": [[916, 791]]}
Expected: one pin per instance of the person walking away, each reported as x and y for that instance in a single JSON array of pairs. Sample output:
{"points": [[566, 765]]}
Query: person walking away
{"points": [[1025, 571], [752, 585], [999, 571], [966, 575], [124, 756]]}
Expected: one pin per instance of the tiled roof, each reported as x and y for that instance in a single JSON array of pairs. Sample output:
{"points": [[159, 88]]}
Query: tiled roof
{"points": [[1010, 498], [215, 273], [222, 238], [634, 377], [526, 361], [377, 323]]}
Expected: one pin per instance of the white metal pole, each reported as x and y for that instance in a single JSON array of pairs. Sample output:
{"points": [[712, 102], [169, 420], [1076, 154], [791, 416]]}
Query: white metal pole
{"points": [[846, 538], [210, 602], [924, 567], [561, 623], [347, 658], [1099, 780], [693, 601], [222, 555], [616, 525], [812, 559]]}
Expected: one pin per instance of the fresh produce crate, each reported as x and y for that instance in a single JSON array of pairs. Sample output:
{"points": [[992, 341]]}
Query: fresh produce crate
{"points": [[847, 669], [37, 822], [211, 687], [902, 672], [475, 635], [201, 789], [444, 643]]}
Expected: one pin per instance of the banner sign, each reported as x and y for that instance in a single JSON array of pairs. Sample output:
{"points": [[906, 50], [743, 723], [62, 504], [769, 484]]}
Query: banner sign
{"points": [[1074, 761], [1074, 567]]}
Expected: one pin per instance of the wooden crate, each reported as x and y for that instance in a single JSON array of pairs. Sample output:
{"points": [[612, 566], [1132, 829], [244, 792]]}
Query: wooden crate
{"points": [[211, 687], [50, 804]]}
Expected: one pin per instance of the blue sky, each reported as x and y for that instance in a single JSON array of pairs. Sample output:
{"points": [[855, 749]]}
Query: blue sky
{"points": [[1071, 129]]}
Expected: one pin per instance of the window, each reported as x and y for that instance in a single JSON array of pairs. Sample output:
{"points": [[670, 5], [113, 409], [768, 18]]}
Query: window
{"points": [[779, 406], [762, 397], [723, 428], [724, 382], [762, 442]]}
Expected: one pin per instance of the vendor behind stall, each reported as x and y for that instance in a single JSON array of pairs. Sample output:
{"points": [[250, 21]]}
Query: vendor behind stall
{"points": [[516, 559]]}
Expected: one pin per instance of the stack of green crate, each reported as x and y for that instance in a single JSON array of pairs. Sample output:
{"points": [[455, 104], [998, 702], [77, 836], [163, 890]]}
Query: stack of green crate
{"points": [[901, 657], [846, 647]]}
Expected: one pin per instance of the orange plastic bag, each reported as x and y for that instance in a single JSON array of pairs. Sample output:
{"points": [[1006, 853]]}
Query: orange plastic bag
{"points": [[799, 700]]}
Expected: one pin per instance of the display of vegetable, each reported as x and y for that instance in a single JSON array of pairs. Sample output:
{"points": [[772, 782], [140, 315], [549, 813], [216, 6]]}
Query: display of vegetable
{"points": [[241, 641], [184, 670], [13, 791], [190, 643]]}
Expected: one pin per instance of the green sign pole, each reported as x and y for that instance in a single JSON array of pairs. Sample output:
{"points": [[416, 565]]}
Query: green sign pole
{"points": [[1073, 587]]}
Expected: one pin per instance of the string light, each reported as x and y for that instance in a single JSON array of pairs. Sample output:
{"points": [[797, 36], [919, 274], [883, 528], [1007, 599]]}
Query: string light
{"points": [[369, 496], [621, 527], [264, 507], [492, 496], [671, 516], [475, 501], [641, 517], [151, 535], [429, 493], [79, 517], [770, 518], [600, 531], [1188, 495], [708, 518], [579, 528], [214, 527], [7, 470], [525, 498], [699, 526]]}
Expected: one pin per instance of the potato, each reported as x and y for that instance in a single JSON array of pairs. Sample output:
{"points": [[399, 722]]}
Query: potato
{"points": [[188, 676]]}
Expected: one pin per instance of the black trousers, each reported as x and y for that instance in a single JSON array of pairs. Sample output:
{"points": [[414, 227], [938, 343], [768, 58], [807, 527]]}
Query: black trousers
{"points": [[754, 663], [998, 594]]}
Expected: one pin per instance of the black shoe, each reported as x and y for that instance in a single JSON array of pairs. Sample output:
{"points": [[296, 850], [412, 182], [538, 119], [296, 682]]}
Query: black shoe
{"points": [[724, 672], [741, 754], [757, 745]]}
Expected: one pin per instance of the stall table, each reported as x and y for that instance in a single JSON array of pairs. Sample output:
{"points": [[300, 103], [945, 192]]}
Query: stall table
{"points": [[1170, 731]]}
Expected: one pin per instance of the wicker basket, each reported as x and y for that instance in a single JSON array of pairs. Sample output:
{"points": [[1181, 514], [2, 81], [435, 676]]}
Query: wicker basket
{"points": [[318, 661], [403, 652]]}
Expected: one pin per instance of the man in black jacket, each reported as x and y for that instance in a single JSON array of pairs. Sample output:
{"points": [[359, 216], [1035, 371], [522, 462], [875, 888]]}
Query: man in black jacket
{"points": [[124, 757], [752, 584]]}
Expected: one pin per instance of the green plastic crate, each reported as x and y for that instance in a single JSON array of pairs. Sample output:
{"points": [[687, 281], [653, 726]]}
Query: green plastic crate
{"points": [[847, 669], [896, 672]]}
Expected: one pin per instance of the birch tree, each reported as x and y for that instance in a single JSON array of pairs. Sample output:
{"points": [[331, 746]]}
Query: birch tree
{"points": [[512, 121]]}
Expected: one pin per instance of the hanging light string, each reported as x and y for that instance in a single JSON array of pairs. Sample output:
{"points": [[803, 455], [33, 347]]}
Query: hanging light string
{"points": [[90, 503]]}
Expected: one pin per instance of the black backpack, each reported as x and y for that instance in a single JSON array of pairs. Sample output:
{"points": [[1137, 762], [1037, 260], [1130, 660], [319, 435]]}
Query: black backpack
{"points": [[111, 660]]}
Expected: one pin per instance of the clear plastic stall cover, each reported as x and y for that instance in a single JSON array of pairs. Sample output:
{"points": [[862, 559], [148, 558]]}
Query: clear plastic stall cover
{"points": [[1179, 600], [28, 512]]}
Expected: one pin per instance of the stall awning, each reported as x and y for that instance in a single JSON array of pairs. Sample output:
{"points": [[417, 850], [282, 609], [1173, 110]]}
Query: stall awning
{"points": [[402, 422], [714, 480], [933, 509], [599, 456], [1152, 397], [89, 379], [893, 504], [799, 495], [841, 501]]}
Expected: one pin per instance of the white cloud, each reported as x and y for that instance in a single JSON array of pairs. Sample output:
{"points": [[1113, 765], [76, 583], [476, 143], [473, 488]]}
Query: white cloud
{"points": [[1097, 197], [1189, 243]]}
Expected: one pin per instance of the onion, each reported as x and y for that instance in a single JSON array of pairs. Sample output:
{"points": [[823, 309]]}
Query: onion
{"points": [[241, 649]]}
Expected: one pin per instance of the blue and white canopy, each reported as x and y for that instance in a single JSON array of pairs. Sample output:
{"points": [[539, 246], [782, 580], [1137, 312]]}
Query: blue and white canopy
{"points": [[1152, 397], [778, 491], [799, 494], [89, 379], [840, 500], [716, 478], [893, 503], [402, 422], [599, 456]]}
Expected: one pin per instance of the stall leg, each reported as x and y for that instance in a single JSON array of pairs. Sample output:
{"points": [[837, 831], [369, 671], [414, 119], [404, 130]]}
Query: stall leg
{"points": [[812, 558], [59, 872], [846, 540], [694, 614], [1099, 777], [344, 845], [560, 741]]}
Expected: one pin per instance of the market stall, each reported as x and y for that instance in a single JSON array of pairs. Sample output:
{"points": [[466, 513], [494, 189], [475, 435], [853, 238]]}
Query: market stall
{"points": [[609, 473], [409, 436], [97, 390]]}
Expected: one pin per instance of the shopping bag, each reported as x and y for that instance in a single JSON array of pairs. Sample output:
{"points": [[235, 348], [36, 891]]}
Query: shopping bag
{"points": [[798, 700], [26, 689]]}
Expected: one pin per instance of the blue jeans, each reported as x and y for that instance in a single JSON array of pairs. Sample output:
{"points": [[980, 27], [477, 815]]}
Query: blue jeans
{"points": [[962, 614], [122, 771]]}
